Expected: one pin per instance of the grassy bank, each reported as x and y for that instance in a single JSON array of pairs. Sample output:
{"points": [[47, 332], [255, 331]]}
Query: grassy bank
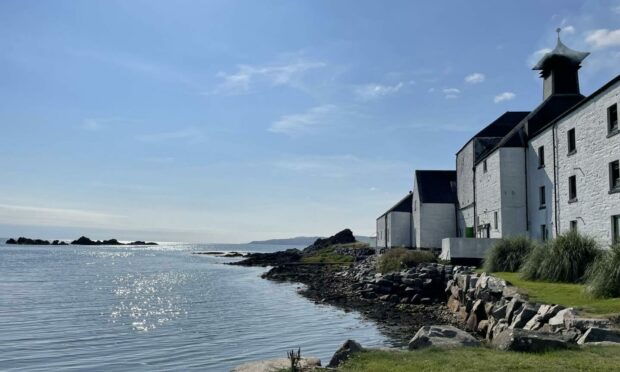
{"points": [[602, 358], [329, 254], [570, 295]]}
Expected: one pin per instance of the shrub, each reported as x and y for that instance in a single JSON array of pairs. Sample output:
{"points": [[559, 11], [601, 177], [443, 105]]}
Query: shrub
{"points": [[603, 276], [564, 259], [508, 254], [533, 261], [399, 258]]}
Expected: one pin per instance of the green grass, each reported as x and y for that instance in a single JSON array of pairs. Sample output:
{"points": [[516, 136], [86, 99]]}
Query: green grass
{"points": [[602, 358], [396, 259], [327, 255], [569, 295]]}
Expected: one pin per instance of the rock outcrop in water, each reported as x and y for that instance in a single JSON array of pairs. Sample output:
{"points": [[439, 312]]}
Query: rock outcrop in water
{"points": [[81, 241]]}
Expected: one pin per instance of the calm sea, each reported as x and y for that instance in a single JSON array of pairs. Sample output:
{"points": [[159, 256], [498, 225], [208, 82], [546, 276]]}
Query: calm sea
{"points": [[156, 308]]}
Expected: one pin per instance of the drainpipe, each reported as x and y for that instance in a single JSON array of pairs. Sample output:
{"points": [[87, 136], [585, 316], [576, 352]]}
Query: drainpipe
{"points": [[475, 226], [555, 183], [527, 207]]}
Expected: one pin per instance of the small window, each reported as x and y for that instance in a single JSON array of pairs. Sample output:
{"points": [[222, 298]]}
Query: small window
{"points": [[614, 176], [612, 119], [572, 146], [541, 156], [615, 229], [543, 233], [572, 188], [484, 166], [573, 225], [415, 205], [495, 220], [542, 197]]}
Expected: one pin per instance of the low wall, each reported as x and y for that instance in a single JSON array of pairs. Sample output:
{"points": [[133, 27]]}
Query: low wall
{"points": [[465, 248]]}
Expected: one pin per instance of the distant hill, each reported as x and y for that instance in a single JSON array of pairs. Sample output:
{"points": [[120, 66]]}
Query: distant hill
{"points": [[302, 240]]}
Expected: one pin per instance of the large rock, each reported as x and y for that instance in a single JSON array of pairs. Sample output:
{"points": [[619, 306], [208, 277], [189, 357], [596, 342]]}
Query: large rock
{"points": [[527, 312], [273, 365], [343, 237], [441, 336], [343, 353], [512, 307], [557, 321], [599, 335], [523, 340]]}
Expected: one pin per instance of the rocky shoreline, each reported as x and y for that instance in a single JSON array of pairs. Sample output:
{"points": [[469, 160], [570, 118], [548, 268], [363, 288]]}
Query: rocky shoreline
{"points": [[80, 241]]}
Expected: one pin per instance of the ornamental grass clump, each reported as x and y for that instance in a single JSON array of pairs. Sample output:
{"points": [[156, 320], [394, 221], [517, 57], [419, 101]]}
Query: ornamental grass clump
{"points": [[564, 259], [603, 276], [508, 254], [400, 258]]}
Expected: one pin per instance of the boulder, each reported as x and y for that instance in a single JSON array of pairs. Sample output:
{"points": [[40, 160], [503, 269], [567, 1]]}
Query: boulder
{"points": [[527, 312], [512, 307], [441, 336], [599, 335], [557, 321], [344, 352], [500, 312], [583, 324], [343, 237], [483, 327], [11, 241], [527, 341]]}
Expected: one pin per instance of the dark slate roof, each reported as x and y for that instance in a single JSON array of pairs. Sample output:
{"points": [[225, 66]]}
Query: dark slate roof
{"points": [[403, 205], [563, 52], [500, 126], [550, 109], [578, 105], [436, 186]]}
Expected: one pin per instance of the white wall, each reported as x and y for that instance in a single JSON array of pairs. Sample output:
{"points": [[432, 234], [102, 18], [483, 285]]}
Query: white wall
{"points": [[537, 177], [438, 221], [465, 248], [590, 164], [416, 208], [512, 219], [381, 236], [399, 229], [489, 194], [465, 187]]}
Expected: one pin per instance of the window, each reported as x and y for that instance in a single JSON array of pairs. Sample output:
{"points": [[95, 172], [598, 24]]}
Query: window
{"points": [[484, 166], [543, 233], [573, 225], [572, 189], [541, 157], [612, 119], [615, 229], [541, 197], [415, 205], [614, 176], [495, 222], [572, 146]]}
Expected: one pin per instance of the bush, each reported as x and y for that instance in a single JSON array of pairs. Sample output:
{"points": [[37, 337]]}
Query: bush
{"points": [[564, 259], [399, 258], [508, 254], [533, 261], [603, 276]]}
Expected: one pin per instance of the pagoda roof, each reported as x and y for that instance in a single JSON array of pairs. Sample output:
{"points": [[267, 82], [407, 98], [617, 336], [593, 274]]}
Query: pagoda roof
{"points": [[563, 52]]}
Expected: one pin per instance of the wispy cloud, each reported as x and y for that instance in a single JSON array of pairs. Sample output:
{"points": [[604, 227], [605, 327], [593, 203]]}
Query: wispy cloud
{"points": [[190, 134], [436, 127], [475, 78], [242, 80], [568, 30], [297, 124], [506, 96], [339, 166], [451, 93], [23, 214], [603, 38], [536, 56], [370, 92], [91, 125]]}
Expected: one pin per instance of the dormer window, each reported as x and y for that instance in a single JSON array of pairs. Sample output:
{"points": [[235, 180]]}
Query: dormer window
{"points": [[612, 119]]}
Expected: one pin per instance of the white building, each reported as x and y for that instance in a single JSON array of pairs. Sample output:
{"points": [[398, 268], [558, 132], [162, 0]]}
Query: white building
{"points": [[538, 173], [394, 226], [434, 203]]}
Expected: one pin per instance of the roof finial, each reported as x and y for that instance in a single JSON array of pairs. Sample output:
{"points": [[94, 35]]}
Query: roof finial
{"points": [[558, 30]]}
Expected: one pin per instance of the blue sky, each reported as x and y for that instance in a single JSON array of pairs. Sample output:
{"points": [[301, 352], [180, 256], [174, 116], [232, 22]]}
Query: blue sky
{"points": [[227, 121]]}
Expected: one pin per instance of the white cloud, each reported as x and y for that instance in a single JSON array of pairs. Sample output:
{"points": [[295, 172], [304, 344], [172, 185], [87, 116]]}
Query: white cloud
{"points": [[340, 166], [536, 56], [191, 134], [603, 38], [451, 93], [506, 96], [568, 30], [296, 124], [616, 9], [241, 81], [475, 78], [370, 92]]}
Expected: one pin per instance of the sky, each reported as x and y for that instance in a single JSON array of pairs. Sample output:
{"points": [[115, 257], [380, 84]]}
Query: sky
{"points": [[230, 121]]}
